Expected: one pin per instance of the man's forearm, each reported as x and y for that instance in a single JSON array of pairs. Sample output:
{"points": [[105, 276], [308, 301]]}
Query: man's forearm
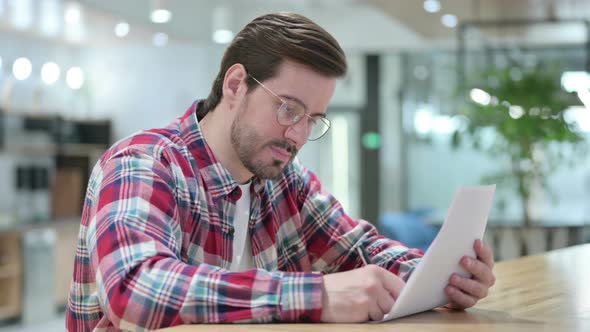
{"points": [[167, 292]]}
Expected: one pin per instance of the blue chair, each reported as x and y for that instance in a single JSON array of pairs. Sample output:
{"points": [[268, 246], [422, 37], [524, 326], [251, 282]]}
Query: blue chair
{"points": [[410, 228]]}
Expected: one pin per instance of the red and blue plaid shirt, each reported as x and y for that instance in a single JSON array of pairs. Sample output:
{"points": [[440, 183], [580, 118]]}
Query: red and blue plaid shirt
{"points": [[155, 241]]}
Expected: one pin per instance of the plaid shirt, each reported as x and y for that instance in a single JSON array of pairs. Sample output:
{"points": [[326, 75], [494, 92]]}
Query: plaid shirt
{"points": [[155, 241]]}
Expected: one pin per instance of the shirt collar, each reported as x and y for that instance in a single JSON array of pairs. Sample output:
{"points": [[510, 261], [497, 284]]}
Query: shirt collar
{"points": [[216, 178]]}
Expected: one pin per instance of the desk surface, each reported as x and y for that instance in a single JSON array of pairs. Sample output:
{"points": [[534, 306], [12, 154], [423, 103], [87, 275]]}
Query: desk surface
{"points": [[549, 292]]}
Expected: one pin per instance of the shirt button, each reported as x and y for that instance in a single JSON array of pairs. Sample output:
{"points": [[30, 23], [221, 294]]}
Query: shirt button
{"points": [[231, 231], [236, 192]]}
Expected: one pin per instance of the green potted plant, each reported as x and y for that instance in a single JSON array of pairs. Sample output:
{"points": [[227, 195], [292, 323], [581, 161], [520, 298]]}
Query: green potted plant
{"points": [[524, 107]]}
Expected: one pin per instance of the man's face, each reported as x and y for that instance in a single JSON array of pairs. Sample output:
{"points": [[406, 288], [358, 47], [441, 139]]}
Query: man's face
{"points": [[264, 146]]}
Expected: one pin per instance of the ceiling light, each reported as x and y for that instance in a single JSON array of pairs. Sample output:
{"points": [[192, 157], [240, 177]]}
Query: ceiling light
{"points": [[72, 13], [159, 13], [432, 6], [160, 39], [22, 68], [74, 28], [449, 20], [221, 18], [50, 73], [122, 29], [222, 36], [75, 78], [161, 16]]}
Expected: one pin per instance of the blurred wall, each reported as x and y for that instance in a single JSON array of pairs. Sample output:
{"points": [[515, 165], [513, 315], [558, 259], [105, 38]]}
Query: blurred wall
{"points": [[57, 97], [141, 87]]}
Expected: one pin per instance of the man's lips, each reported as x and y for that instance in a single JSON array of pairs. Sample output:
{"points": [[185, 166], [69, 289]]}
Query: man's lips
{"points": [[280, 153]]}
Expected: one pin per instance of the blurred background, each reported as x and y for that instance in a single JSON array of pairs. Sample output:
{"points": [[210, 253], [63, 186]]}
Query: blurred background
{"points": [[439, 94]]}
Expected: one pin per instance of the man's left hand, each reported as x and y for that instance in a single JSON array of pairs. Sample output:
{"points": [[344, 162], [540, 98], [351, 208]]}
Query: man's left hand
{"points": [[465, 292]]}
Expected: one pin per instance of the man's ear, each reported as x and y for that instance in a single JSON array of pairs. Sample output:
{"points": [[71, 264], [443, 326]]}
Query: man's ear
{"points": [[234, 84]]}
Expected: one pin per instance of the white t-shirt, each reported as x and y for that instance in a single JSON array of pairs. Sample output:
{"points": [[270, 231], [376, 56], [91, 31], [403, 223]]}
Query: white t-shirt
{"points": [[242, 259]]}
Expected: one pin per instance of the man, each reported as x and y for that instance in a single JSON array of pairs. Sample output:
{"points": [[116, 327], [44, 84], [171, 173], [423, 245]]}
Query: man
{"points": [[212, 220]]}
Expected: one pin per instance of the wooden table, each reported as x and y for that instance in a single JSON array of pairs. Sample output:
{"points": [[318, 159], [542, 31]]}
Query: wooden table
{"points": [[549, 292]]}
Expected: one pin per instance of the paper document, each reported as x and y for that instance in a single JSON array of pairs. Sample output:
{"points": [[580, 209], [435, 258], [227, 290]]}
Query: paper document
{"points": [[466, 221]]}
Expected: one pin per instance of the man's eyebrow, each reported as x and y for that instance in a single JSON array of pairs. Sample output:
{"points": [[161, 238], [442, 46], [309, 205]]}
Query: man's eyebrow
{"points": [[300, 102], [295, 99]]}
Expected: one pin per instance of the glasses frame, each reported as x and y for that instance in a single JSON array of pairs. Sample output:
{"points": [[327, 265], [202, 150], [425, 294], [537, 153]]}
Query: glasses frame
{"points": [[284, 102]]}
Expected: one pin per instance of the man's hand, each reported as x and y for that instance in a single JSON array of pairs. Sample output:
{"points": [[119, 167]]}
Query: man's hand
{"points": [[465, 292], [359, 295]]}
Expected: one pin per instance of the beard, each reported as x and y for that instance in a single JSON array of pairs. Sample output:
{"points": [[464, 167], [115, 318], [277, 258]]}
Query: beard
{"points": [[247, 143]]}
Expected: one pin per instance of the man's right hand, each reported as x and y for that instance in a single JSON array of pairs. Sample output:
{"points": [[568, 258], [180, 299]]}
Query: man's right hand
{"points": [[359, 295]]}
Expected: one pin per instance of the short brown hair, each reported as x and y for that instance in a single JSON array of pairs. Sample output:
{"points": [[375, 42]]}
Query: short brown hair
{"points": [[263, 44]]}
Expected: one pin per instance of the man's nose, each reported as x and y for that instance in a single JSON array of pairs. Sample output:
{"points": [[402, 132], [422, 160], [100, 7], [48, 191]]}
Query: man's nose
{"points": [[298, 133]]}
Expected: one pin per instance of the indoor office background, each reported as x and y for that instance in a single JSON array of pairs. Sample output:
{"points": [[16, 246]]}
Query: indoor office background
{"points": [[76, 76]]}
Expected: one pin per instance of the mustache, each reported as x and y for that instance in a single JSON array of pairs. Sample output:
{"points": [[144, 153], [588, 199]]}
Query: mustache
{"points": [[292, 149]]}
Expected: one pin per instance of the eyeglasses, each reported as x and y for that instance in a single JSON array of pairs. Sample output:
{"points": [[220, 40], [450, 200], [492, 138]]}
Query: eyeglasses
{"points": [[291, 112]]}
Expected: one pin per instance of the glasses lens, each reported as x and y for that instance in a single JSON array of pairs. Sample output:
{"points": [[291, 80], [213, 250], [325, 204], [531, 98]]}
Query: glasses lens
{"points": [[319, 128], [290, 113]]}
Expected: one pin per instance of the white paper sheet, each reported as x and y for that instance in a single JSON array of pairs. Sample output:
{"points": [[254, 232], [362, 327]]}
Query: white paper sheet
{"points": [[466, 221]]}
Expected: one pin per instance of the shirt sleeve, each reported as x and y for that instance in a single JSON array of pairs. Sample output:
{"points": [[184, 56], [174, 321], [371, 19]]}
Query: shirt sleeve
{"points": [[332, 236], [135, 242]]}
